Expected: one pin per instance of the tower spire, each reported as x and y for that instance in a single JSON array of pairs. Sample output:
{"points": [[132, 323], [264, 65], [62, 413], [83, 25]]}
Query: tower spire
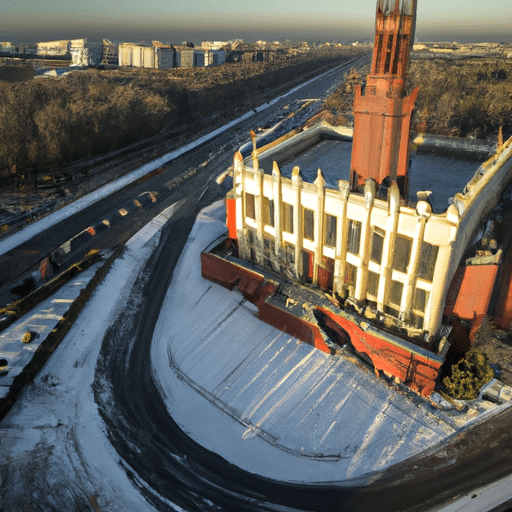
{"points": [[382, 111]]}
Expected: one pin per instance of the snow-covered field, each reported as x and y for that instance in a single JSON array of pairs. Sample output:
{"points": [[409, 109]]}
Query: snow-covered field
{"points": [[54, 431]]}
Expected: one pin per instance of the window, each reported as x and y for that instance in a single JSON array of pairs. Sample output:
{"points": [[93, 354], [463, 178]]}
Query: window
{"points": [[420, 304], [377, 245], [420, 300], [326, 273], [395, 295], [268, 253], [354, 236], [350, 274], [271, 212], [309, 224], [330, 230], [373, 284], [307, 266], [402, 253], [250, 210], [268, 211], [251, 235], [288, 218], [289, 250], [427, 263], [268, 247]]}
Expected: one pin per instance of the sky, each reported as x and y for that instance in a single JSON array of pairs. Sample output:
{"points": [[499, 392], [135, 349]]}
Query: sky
{"points": [[250, 20]]}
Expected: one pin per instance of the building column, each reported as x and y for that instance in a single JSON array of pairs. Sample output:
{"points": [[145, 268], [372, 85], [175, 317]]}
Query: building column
{"points": [[277, 193], [239, 188], [424, 210], [341, 240], [388, 249], [258, 200], [319, 222], [297, 219], [370, 190], [443, 275]]}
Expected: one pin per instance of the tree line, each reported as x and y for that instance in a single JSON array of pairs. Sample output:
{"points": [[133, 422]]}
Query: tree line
{"points": [[463, 98], [52, 122], [458, 98]]}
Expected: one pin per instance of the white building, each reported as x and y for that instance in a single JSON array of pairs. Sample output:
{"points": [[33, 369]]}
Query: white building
{"points": [[146, 56], [397, 259], [190, 57], [85, 53], [214, 57], [53, 48], [215, 45], [7, 47]]}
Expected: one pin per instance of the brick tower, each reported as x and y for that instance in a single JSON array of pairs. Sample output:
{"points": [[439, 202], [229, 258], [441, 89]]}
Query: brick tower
{"points": [[382, 111]]}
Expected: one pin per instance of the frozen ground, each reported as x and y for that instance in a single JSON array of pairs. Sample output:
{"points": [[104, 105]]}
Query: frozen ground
{"points": [[54, 433], [39, 322]]}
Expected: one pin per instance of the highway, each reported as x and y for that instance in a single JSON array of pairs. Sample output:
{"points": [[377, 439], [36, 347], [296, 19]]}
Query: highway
{"points": [[169, 469]]}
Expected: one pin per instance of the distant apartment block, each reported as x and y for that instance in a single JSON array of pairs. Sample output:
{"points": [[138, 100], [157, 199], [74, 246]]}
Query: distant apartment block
{"points": [[110, 53], [189, 57], [7, 47], [75, 52], [214, 45], [84, 53], [58, 48], [153, 56], [214, 57], [255, 52]]}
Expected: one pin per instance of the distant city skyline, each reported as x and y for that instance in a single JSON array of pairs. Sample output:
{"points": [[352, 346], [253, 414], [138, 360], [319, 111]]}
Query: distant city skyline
{"points": [[203, 20]]}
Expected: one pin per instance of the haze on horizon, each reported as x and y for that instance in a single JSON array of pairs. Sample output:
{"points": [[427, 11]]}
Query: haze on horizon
{"points": [[203, 20]]}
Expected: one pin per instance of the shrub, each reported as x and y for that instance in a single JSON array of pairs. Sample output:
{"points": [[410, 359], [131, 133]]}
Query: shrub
{"points": [[469, 375]]}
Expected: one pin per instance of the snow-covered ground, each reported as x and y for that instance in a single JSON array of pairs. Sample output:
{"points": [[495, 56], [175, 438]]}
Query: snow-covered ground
{"points": [[15, 354], [263, 401]]}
